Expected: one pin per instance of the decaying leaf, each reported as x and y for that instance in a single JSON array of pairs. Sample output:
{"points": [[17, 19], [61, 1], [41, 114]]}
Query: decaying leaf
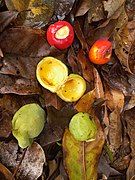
{"points": [[5, 173], [63, 7], [111, 6], [83, 8], [114, 99], [32, 13], [96, 11], [34, 160], [115, 130], [81, 158], [24, 41], [6, 18], [86, 102], [125, 43]]}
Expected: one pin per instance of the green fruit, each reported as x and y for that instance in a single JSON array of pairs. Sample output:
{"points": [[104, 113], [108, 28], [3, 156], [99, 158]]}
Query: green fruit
{"points": [[82, 127], [27, 123]]}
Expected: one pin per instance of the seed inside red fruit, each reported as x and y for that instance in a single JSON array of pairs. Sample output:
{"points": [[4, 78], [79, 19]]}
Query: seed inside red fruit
{"points": [[60, 35]]}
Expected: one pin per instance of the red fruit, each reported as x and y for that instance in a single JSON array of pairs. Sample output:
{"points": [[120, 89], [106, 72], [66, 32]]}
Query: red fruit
{"points": [[101, 51], [60, 34]]}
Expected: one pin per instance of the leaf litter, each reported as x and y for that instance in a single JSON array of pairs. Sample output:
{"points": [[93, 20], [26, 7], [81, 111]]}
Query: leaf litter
{"points": [[110, 94]]}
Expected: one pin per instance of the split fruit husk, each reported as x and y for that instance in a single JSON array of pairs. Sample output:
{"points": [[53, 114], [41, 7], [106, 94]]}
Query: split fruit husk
{"points": [[52, 74]]}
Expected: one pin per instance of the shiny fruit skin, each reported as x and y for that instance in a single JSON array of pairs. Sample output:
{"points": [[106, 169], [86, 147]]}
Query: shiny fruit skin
{"points": [[60, 43], [100, 52]]}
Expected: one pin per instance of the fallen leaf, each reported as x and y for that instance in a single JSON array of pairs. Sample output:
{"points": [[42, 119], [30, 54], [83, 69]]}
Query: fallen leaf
{"points": [[73, 61], [98, 84], [32, 13], [21, 86], [115, 130], [130, 104], [63, 7], [124, 42], [131, 170], [96, 11], [24, 41], [34, 160], [129, 118], [112, 6], [87, 68], [51, 99], [6, 18], [5, 173], [57, 121], [80, 35], [114, 99], [8, 106], [85, 104], [117, 78], [83, 8], [81, 158]]}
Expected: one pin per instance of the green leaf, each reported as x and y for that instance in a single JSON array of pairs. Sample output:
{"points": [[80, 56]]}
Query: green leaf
{"points": [[81, 158]]}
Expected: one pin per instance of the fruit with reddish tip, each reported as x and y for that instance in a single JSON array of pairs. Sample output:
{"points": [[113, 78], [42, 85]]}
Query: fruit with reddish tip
{"points": [[60, 34], [100, 52]]}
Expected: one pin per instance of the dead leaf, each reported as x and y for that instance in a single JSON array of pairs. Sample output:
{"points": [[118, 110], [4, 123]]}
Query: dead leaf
{"points": [[81, 158], [130, 104], [32, 13], [114, 99], [87, 68], [129, 118], [73, 61], [115, 130], [6, 18], [5, 173], [96, 11], [83, 8], [80, 35], [131, 170], [52, 99], [86, 102], [125, 42], [63, 7], [21, 86], [117, 78], [34, 160], [111, 6], [24, 41], [98, 84], [57, 121]]}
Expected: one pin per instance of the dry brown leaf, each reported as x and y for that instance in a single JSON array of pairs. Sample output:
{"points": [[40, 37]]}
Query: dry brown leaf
{"points": [[34, 160], [125, 43], [5, 173], [83, 8], [86, 102], [111, 6], [6, 18], [96, 11], [131, 170], [114, 99], [98, 85], [115, 130]]}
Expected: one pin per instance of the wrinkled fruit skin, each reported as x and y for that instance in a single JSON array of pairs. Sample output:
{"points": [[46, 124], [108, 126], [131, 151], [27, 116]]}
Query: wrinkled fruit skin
{"points": [[27, 123], [100, 52], [82, 127], [60, 43]]}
